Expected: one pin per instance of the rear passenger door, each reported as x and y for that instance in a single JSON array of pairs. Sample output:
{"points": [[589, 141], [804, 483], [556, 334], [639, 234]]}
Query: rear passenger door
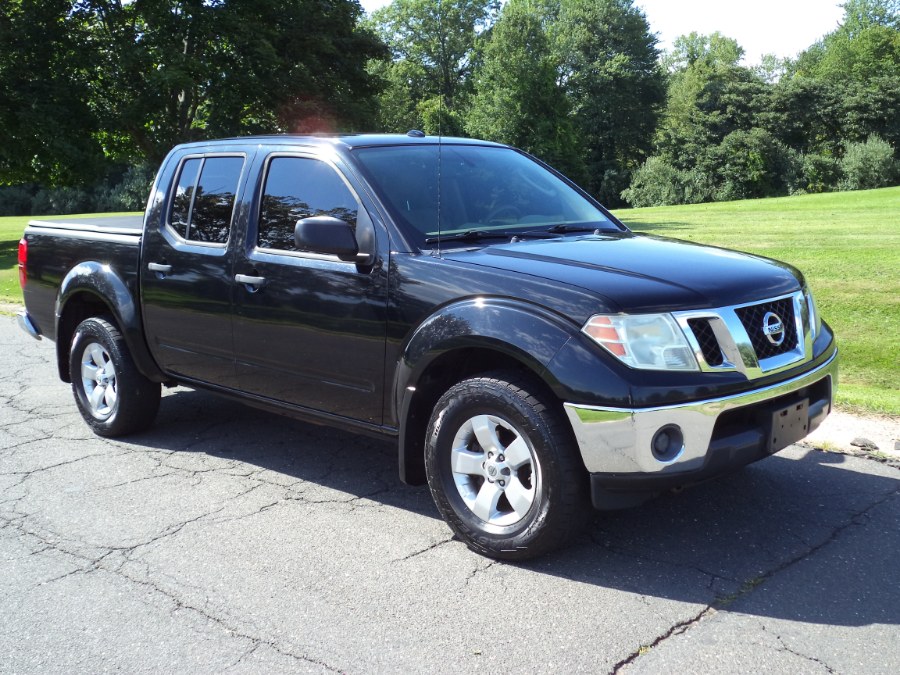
{"points": [[311, 331], [186, 270]]}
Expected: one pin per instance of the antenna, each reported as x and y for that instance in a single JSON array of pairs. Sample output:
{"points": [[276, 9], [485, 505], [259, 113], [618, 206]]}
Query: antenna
{"points": [[440, 9]]}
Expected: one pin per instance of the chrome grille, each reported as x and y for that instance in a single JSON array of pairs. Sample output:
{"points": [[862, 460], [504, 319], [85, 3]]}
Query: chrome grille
{"points": [[706, 338], [737, 338], [753, 317]]}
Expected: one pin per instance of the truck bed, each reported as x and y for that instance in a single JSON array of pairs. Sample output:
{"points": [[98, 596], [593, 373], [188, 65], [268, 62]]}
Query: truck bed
{"points": [[100, 224]]}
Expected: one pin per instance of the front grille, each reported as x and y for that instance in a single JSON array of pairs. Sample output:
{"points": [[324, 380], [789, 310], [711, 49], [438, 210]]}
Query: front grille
{"points": [[754, 317], [709, 345]]}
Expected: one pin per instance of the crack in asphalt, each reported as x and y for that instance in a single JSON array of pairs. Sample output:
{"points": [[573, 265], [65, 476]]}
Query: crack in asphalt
{"points": [[478, 570], [750, 585], [669, 563], [426, 549], [88, 564], [677, 629], [784, 648]]}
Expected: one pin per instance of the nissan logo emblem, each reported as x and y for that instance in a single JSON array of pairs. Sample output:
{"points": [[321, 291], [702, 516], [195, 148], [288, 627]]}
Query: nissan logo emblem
{"points": [[773, 328]]}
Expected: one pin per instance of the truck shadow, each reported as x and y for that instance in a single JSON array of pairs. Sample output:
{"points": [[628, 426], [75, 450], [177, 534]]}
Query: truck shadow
{"points": [[804, 536]]}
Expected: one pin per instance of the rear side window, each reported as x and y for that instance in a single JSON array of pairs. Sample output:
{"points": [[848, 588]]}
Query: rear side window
{"points": [[297, 187], [204, 198]]}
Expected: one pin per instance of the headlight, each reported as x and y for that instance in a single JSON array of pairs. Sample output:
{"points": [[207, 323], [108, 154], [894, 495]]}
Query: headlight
{"points": [[815, 321], [648, 341]]}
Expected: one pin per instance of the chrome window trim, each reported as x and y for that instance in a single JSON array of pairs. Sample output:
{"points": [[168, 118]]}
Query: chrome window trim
{"points": [[304, 153], [173, 188], [735, 342]]}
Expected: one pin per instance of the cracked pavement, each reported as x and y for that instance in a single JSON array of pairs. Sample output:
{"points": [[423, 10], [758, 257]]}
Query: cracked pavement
{"points": [[229, 540]]}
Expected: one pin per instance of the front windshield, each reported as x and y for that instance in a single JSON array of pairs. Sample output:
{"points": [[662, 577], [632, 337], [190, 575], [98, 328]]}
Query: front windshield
{"points": [[482, 189]]}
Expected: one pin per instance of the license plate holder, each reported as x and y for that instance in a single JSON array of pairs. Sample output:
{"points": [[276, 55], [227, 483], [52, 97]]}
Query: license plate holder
{"points": [[789, 425]]}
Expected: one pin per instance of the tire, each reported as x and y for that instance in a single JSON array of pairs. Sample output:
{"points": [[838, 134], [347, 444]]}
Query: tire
{"points": [[504, 469], [113, 397]]}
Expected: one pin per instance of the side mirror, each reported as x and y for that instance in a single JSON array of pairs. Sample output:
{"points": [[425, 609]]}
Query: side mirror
{"points": [[325, 234]]}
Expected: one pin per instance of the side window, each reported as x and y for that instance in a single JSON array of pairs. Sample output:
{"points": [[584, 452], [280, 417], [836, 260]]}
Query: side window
{"points": [[184, 196], [297, 187], [204, 198]]}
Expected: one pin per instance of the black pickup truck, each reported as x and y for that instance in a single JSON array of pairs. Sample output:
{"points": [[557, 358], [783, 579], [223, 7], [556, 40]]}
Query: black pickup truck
{"points": [[531, 355]]}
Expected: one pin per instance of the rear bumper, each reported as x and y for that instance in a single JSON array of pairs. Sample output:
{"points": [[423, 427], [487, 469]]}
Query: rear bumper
{"points": [[27, 325], [719, 435]]}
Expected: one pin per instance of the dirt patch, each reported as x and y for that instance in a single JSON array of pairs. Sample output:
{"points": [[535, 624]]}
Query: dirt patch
{"points": [[842, 429]]}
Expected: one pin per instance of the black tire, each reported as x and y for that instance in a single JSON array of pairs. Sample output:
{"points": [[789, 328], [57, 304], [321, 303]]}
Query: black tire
{"points": [[529, 505], [113, 397]]}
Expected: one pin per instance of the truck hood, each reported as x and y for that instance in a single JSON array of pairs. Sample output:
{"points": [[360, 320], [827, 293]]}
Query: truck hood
{"points": [[640, 273]]}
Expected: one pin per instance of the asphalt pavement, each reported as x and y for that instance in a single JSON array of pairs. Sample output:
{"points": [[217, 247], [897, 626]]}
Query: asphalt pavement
{"points": [[230, 540]]}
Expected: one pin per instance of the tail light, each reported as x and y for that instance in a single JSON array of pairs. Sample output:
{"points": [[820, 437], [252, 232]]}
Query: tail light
{"points": [[23, 260]]}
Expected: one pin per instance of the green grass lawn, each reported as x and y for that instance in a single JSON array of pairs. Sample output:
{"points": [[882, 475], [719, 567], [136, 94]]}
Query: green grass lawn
{"points": [[10, 233], [847, 244], [11, 229]]}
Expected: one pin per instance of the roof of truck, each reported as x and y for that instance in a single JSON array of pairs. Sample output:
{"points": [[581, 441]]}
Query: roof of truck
{"points": [[346, 141]]}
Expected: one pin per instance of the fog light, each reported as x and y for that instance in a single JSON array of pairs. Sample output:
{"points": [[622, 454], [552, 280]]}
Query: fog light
{"points": [[667, 443]]}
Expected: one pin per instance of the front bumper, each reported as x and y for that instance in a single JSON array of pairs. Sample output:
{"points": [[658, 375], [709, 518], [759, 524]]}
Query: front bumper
{"points": [[719, 434]]}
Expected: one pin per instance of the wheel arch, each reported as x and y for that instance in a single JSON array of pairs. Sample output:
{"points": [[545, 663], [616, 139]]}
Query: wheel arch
{"points": [[462, 340], [93, 289]]}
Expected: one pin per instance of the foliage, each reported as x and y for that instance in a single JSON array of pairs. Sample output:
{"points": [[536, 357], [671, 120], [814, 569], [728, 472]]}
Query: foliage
{"points": [[868, 165], [127, 191], [752, 164], [783, 127], [90, 83], [432, 47], [818, 173], [656, 183], [609, 71], [518, 99], [45, 81]]}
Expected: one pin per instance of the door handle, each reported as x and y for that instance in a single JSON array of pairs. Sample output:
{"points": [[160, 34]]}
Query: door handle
{"points": [[255, 282], [159, 268]]}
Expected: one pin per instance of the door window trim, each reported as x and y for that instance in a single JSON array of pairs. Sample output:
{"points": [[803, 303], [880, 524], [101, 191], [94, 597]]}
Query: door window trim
{"points": [[173, 187], [253, 227]]}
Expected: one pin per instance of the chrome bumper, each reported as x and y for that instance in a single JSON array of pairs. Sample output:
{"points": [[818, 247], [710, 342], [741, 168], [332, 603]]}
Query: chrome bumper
{"points": [[618, 440], [26, 325]]}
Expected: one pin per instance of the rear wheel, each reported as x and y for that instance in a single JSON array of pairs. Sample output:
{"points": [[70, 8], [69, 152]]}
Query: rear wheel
{"points": [[113, 397], [504, 469]]}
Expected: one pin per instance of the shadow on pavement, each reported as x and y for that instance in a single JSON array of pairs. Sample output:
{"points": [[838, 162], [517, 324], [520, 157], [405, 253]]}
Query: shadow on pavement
{"points": [[804, 535]]}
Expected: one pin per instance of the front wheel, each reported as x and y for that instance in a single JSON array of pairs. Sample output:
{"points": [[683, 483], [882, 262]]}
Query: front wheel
{"points": [[504, 469], [113, 397]]}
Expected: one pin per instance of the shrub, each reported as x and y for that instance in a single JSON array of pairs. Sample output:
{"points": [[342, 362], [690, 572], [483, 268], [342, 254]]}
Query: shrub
{"points": [[868, 165], [753, 164], [61, 200], [818, 173], [15, 200], [655, 183], [129, 194]]}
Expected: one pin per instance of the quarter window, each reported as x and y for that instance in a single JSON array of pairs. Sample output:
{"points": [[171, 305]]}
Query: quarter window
{"points": [[204, 198], [296, 188]]}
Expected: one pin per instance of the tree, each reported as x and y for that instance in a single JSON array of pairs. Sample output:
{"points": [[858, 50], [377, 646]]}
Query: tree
{"points": [[432, 47], [87, 83], [860, 15], [694, 50], [518, 99], [184, 69], [45, 114], [608, 69]]}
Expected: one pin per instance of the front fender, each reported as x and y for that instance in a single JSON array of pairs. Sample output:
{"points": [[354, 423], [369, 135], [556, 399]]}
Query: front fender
{"points": [[543, 342], [527, 333], [101, 282]]}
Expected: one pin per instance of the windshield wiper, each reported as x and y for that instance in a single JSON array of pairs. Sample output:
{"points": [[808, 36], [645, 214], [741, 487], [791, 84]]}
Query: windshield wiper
{"points": [[566, 229], [475, 235]]}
